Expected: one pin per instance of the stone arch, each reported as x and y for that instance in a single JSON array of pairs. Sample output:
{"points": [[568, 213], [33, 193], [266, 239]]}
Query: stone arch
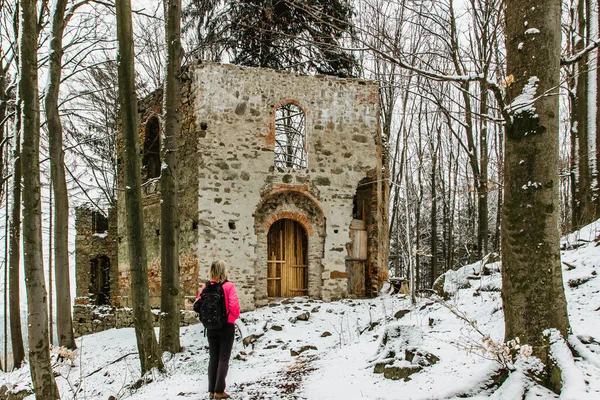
{"points": [[302, 208], [151, 153]]}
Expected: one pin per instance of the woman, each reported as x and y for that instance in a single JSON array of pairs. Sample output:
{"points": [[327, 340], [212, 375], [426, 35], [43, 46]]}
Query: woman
{"points": [[220, 341]]}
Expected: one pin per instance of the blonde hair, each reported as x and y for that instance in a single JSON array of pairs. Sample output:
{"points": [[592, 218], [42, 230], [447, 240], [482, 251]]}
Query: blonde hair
{"points": [[218, 271]]}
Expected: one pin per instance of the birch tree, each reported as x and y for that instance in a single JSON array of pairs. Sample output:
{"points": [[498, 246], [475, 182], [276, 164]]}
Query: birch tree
{"points": [[146, 340]]}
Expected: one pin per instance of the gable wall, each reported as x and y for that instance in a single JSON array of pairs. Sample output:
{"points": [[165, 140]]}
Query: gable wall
{"points": [[235, 107]]}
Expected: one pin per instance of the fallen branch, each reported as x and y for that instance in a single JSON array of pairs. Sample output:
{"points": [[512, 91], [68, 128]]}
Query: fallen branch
{"points": [[111, 363], [569, 266]]}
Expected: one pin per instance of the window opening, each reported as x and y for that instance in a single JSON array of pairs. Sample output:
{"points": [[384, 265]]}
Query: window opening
{"points": [[151, 157], [99, 222], [100, 280], [290, 138]]}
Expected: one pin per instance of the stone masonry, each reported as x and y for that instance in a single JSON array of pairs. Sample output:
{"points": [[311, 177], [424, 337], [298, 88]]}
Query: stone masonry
{"points": [[231, 193], [240, 187]]}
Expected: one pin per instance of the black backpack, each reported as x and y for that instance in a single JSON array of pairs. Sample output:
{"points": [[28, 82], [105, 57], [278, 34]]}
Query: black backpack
{"points": [[211, 306]]}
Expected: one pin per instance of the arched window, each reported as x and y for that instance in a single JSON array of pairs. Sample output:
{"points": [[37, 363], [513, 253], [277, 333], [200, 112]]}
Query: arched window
{"points": [[290, 138], [151, 157]]}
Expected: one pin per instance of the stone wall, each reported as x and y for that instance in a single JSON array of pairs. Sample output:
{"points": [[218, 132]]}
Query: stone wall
{"points": [[231, 193], [236, 112], [92, 319], [90, 245], [151, 107]]}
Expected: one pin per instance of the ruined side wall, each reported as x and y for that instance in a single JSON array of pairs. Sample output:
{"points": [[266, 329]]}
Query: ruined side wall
{"points": [[90, 245], [235, 108], [151, 107]]}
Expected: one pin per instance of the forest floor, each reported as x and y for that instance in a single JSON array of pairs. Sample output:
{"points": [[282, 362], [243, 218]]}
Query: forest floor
{"points": [[448, 346]]}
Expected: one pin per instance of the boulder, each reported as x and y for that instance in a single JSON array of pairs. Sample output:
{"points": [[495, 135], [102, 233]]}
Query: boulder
{"points": [[396, 372], [300, 350]]}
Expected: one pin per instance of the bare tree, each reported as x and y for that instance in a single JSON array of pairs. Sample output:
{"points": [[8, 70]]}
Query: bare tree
{"points": [[169, 183], [39, 346], [146, 340], [16, 334], [64, 320], [10, 12]]}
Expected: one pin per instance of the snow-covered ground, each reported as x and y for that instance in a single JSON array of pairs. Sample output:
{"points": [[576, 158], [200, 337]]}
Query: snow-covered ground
{"points": [[341, 342]]}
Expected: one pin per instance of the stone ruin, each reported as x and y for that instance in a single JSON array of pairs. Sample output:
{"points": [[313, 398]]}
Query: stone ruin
{"points": [[281, 175]]}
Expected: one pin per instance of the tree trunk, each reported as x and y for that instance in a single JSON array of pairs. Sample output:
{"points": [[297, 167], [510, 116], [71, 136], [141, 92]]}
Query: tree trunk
{"points": [[500, 166], [597, 133], [3, 119], [471, 144], [434, 239], [3, 97], [169, 217], [146, 340], [39, 349], [580, 111], [575, 206], [64, 321], [482, 181], [533, 293], [16, 333]]}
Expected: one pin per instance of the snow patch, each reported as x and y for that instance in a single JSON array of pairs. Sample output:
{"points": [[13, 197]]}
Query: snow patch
{"points": [[524, 101]]}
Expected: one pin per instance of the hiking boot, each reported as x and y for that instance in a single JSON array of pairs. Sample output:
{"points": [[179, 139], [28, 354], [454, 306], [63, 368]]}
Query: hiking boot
{"points": [[221, 395]]}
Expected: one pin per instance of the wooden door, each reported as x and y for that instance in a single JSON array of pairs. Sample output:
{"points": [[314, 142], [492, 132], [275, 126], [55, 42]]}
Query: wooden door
{"points": [[287, 261], [357, 259]]}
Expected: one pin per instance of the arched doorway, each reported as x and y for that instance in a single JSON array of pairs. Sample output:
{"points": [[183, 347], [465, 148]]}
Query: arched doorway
{"points": [[287, 259]]}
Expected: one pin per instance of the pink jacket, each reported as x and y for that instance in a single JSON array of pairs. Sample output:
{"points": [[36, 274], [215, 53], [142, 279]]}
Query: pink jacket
{"points": [[232, 302]]}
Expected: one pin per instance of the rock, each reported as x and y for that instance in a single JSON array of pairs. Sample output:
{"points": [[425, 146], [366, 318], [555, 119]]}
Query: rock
{"points": [[326, 334], [251, 338], [271, 346], [304, 316], [438, 286], [380, 366], [401, 313], [277, 328], [420, 357], [298, 351], [400, 372], [315, 309]]}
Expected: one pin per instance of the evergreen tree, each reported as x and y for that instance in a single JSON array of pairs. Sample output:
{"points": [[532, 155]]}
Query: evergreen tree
{"points": [[302, 36]]}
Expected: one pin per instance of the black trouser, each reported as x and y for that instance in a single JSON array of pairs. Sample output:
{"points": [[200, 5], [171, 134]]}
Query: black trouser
{"points": [[220, 343]]}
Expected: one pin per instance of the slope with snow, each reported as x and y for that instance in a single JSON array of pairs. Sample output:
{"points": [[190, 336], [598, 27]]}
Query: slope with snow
{"points": [[333, 354]]}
